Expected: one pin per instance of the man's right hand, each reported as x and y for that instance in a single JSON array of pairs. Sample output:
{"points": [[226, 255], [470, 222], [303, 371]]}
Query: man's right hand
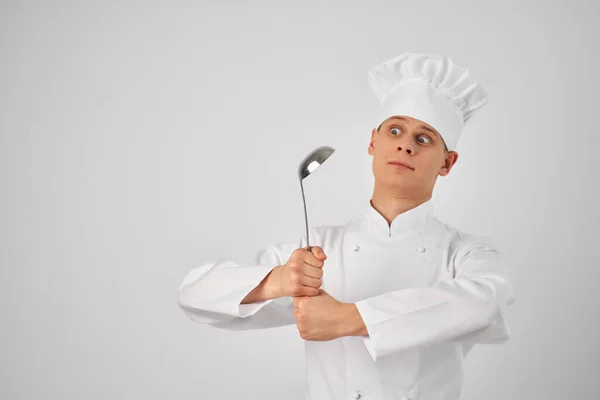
{"points": [[301, 274]]}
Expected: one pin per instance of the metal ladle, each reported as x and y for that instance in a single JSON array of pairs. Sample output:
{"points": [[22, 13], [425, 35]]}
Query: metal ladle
{"points": [[308, 165]]}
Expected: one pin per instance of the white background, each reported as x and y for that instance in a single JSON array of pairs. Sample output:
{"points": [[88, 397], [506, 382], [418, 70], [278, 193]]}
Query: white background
{"points": [[140, 140]]}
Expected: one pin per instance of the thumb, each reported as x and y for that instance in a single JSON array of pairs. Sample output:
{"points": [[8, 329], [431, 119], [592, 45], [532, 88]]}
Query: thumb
{"points": [[318, 252]]}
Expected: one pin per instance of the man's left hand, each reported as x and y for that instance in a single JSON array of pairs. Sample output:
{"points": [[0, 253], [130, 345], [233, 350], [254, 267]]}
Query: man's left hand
{"points": [[322, 317]]}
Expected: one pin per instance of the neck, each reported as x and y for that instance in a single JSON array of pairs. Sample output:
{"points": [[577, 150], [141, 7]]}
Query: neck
{"points": [[390, 203]]}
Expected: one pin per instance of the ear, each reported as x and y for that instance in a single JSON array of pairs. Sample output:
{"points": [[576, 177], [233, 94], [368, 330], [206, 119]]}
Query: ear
{"points": [[371, 149], [449, 161]]}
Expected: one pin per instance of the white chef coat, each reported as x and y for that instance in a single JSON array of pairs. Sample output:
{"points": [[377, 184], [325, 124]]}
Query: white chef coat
{"points": [[426, 291]]}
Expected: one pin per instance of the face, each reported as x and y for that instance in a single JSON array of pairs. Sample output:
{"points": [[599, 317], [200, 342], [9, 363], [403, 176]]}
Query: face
{"points": [[402, 139]]}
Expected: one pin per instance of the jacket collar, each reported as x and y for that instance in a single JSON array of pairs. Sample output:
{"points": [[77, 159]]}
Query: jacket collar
{"points": [[376, 225]]}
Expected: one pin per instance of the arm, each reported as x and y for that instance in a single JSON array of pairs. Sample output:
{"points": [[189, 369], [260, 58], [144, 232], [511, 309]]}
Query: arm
{"points": [[269, 288], [240, 296], [468, 307]]}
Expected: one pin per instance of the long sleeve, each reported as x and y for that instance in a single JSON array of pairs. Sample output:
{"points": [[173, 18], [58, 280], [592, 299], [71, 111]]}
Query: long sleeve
{"points": [[468, 307], [212, 293]]}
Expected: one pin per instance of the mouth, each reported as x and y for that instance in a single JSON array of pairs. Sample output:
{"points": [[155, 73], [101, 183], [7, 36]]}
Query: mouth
{"points": [[400, 164]]}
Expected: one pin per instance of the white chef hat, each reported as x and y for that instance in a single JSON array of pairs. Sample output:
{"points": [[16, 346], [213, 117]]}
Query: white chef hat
{"points": [[431, 88]]}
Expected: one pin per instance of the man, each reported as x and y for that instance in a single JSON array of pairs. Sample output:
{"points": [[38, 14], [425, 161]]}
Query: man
{"points": [[391, 302]]}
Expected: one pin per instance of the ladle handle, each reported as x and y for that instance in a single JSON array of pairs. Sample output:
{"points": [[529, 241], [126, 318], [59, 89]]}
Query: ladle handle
{"points": [[308, 247]]}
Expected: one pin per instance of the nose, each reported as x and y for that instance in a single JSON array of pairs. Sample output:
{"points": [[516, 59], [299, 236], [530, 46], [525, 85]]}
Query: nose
{"points": [[406, 147], [405, 143]]}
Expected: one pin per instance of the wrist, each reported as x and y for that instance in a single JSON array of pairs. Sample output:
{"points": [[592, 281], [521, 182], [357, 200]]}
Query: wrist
{"points": [[274, 284], [352, 322]]}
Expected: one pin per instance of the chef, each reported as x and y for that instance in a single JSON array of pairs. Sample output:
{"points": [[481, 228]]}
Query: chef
{"points": [[397, 298]]}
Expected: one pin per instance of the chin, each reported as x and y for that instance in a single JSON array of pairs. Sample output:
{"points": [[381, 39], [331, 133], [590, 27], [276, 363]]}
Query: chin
{"points": [[396, 181]]}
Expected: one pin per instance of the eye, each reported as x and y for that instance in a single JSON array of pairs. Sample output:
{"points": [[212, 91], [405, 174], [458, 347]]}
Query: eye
{"points": [[424, 137], [395, 131]]}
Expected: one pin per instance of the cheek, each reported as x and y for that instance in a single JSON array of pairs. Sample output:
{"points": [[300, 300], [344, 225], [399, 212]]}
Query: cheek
{"points": [[433, 165], [380, 163], [377, 166]]}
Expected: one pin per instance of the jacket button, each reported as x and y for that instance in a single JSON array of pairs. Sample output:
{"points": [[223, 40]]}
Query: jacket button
{"points": [[421, 249], [356, 247]]}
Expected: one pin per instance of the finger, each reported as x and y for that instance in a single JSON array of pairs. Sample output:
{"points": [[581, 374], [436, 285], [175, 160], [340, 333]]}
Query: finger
{"points": [[309, 291], [301, 289], [310, 282], [312, 271], [318, 252], [310, 259]]}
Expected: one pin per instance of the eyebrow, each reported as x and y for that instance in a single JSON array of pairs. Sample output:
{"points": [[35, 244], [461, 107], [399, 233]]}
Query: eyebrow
{"points": [[421, 127]]}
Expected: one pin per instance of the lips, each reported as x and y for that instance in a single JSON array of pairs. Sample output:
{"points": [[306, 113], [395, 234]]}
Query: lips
{"points": [[401, 163]]}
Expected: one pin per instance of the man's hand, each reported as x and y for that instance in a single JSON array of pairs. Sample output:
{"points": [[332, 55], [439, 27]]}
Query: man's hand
{"points": [[322, 317], [302, 274]]}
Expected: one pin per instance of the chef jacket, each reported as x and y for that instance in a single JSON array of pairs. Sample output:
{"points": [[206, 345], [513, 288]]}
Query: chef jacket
{"points": [[426, 292]]}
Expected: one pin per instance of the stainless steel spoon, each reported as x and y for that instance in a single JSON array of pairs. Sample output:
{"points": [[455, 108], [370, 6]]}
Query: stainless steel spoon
{"points": [[308, 165]]}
